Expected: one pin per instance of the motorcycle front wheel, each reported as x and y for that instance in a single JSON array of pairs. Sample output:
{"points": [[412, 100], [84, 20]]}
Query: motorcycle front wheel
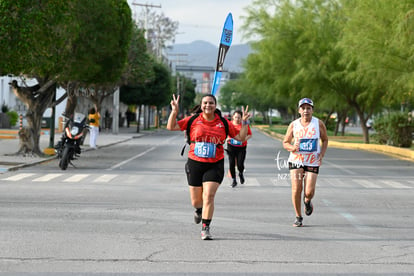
{"points": [[63, 163]]}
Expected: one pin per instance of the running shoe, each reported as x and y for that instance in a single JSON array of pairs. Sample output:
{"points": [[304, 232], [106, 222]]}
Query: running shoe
{"points": [[298, 222], [197, 217], [241, 178], [205, 233], [234, 184], [308, 207]]}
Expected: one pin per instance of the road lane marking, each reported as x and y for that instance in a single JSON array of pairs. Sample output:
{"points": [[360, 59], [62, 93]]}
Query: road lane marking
{"points": [[47, 177], [281, 182], [348, 216], [334, 182], [105, 178], [367, 184], [19, 176], [341, 168], [130, 159], [251, 181], [139, 155], [395, 184], [76, 178]]}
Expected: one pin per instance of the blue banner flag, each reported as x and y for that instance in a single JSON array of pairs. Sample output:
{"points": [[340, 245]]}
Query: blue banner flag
{"points": [[225, 42]]}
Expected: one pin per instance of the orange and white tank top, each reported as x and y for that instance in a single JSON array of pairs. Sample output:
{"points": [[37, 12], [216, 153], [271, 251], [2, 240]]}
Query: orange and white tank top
{"points": [[309, 147]]}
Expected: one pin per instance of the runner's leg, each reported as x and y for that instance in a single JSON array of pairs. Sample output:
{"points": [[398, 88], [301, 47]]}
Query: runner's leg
{"points": [[309, 185], [196, 195], [296, 176], [209, 192]]}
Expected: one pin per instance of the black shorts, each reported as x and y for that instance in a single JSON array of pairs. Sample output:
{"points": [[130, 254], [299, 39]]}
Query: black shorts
{"points": [[293, 166], [199, 172]]}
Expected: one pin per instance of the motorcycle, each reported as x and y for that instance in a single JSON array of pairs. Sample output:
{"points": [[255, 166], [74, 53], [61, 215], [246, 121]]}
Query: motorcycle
{"points": [[68, 148]]}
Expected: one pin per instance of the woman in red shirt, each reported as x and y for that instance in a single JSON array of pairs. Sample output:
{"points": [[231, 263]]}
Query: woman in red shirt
{"points": [[205, 164], [236, 149]]}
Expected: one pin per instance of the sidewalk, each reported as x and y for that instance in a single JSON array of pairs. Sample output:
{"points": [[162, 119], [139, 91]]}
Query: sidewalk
{"points": [[9, 145]]}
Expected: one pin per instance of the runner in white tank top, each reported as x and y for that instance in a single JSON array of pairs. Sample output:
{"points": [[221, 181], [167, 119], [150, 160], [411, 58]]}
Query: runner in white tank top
{"points": [[310, 142], [309, 148]]}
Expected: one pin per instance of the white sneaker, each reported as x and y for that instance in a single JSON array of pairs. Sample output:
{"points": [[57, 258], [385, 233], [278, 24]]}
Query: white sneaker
{"points": [[205, 234]]}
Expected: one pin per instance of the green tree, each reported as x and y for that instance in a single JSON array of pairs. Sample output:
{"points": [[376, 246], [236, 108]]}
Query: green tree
{"points": [[139, 69], [271, 66], [160, 88], [186, 90], [159, 30], [155, 92], [233, 94], [34, 41], [299, 55], [101, 50], [73, 43], [378, 36]]}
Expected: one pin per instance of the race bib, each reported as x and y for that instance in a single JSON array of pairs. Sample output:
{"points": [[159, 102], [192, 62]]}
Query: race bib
{"points": [[235, 142], [308, 145], [205, 150]]}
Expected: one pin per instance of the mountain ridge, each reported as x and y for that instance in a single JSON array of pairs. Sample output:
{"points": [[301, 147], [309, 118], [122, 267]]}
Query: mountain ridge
{"points": [[203, 53]]}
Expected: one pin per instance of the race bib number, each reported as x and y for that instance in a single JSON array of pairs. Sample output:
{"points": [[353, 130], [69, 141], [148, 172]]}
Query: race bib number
{"points": [[235, 142], [205, 150], [308, 145]]}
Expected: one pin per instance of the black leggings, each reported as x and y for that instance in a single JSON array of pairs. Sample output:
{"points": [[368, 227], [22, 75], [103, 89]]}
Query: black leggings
{"points": [[236, 155]]}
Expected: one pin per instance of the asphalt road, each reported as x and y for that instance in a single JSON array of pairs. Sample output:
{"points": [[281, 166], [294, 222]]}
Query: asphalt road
{"points": [[125, 210]]}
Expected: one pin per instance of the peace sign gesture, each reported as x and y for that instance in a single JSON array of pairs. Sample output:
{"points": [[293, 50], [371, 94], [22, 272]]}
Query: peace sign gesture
{"points": [[246, 114], [174, 103]]}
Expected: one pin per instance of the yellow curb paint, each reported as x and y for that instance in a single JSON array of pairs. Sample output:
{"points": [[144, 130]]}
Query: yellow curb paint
{"points": [[8, 137], [401, 153], [49, 151]]}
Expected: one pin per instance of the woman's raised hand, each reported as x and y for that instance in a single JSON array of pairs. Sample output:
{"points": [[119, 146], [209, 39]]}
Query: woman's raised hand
{"points": [[174, 103], [245, 113]]}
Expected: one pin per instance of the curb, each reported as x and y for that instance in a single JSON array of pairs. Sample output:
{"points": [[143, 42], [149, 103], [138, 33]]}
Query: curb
{"points": [[48, 159], [15, 168], [404, 154]]}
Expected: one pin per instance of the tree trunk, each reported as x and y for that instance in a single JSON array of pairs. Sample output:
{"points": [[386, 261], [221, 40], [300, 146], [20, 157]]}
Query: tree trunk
{"points": [[363, 121], [343, 126], [139, 118], [338, 121], [343, 122], [71, 104], [37, 99]]}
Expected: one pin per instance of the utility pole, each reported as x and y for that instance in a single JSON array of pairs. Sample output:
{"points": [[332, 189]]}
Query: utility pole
{"points": [[177, 61], [147, 6]]}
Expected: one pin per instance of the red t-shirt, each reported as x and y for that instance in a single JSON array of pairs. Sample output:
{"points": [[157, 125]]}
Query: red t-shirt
{"points": [[208, 134], [238, 143]]}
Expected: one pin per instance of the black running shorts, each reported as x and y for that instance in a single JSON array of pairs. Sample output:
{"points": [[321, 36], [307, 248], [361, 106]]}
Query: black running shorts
{"points": [[199, 172], [293, 166]]}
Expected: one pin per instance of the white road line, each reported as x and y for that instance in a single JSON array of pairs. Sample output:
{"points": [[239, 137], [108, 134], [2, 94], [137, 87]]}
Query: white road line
{"points": [[251, 181], [105, 178], [139, 155], [19, 176], [47, 177], [130, 159], [339, 183], [76, 178], [348, 216], [341, 168], [395, 184], [281, 181], [367, 184]]}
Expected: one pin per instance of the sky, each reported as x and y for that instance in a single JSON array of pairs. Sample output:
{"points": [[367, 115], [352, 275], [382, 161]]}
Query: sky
{"points": [[199, 19]]}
